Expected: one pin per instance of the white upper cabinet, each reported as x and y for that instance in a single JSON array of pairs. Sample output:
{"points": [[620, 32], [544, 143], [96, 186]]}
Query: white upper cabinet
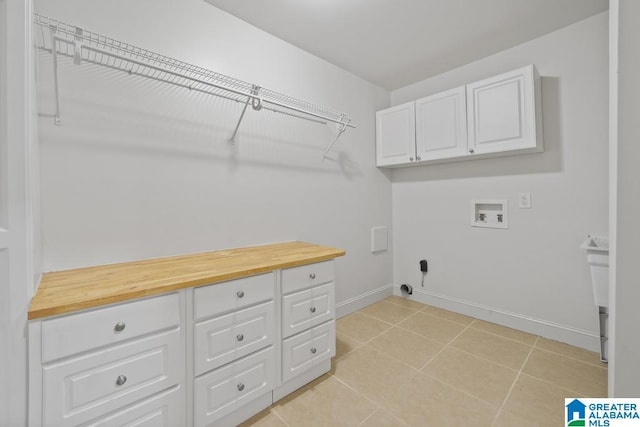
{"points": [[496, 116], [441, 126], [501, 113], [396, 135]]}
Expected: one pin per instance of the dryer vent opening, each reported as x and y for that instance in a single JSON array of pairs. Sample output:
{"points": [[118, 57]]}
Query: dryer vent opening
{"points": [[406, 289]]}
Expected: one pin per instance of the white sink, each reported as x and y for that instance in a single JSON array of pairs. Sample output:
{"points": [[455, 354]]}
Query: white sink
{"points": [[597, 248]]}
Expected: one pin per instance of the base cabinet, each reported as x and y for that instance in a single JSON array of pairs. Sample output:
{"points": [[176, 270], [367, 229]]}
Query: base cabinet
{"points": [[165, 409], [213, 355], [308, 349], [227, 389]]}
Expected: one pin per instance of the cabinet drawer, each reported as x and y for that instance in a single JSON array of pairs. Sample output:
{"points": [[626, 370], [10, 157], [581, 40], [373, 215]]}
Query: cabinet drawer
{"points": [[81, 389], [303, 351], [162, 410], [222, 339], [306, 276], [219, 298], [76, 333], [307, 308], [224, 390]]}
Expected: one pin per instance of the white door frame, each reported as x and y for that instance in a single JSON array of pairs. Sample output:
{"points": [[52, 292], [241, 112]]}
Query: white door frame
{"points": [[16, 201]]}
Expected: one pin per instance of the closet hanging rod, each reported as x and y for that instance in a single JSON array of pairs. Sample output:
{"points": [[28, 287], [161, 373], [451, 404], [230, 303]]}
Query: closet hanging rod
{"points": [[83, 45], [249, 96], [191, 87]]}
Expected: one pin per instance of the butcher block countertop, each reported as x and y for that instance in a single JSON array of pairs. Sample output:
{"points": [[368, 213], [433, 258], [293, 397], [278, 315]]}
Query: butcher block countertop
{"points": [[71, 290]]}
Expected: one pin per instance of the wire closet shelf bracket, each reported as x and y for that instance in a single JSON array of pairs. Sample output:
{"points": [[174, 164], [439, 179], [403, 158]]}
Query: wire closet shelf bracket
{"points": [[59, 38]]}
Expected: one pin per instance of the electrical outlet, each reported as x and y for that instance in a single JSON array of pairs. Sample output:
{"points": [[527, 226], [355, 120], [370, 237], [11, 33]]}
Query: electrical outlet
{"points": [[524, 200]]}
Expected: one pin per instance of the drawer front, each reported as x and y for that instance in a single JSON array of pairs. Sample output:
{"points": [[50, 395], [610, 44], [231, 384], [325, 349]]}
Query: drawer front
{"points": [[224, 390], [305, 309], [81, 389], [219, 298], [225, 338], [307, 276], [162, 410], [76, 333], [305, 350]]}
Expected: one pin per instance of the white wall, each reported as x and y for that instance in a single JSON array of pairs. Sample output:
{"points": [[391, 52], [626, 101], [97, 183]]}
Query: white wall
{"points": [[533, 275], [140, 169], [625, 375]]}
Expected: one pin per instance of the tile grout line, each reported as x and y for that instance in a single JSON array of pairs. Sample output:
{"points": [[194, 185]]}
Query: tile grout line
{"points": [[388, 323], [446, 345], [576, 393], [486, 359], [358, 393], [422, 310], [473, 324], [404, 305], [378, 407], [515, 380], [505, 337], [281, 417], [573, 358], [368, 416]]}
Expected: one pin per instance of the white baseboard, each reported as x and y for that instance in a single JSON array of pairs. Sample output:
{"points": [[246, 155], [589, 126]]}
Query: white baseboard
{"points": [[361, 301], [578, 337]]}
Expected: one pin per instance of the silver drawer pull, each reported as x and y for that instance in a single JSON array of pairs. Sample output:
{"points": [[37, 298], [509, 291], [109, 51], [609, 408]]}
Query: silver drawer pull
{"points": [[240, 387], [240, 294], [313, 350], [312, 309], [119, 327], [239, 337], [121, 380], [312, 276]]}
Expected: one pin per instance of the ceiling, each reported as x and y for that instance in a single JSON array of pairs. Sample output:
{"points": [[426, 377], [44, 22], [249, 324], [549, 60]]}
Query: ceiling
{"points": [[393, 43]]}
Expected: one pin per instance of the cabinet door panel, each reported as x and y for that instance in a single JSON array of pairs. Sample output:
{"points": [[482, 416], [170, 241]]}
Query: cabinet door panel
{"points": [[79, 332], [502, 112], [228, 337], [308, 308], [218, 298], [305, 350], [80, 389], [226, 389], [307, 276], [441, 125], [162, 410], [396, 135]]}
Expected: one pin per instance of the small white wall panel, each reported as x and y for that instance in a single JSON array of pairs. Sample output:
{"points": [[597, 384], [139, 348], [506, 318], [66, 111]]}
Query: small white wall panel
{"points": [[379, 239]]}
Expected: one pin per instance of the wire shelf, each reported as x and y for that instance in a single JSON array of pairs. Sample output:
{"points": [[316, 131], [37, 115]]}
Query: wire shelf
{"points": [[60, 38]]}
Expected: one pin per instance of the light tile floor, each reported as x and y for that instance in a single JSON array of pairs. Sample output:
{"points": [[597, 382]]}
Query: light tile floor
{"points": [[402, 363]]}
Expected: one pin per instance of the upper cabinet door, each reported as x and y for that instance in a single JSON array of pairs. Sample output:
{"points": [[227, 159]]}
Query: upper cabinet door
{"points": [[501, 113], [441, 125], [396, 135]]}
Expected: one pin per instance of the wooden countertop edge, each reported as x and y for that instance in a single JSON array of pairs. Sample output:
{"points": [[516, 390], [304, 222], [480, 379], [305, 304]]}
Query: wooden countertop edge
{"points": [[69, 307]]}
